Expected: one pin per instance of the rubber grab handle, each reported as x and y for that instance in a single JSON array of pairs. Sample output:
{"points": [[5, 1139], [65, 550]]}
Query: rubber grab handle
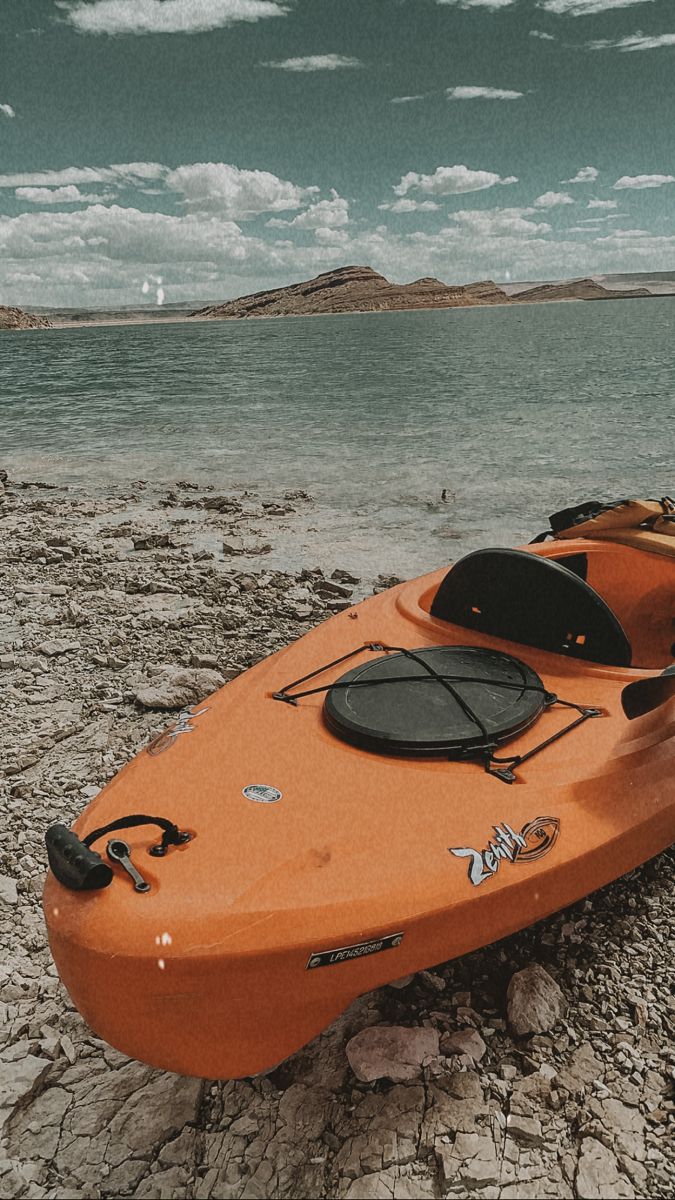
{"points": [[74, 864]]}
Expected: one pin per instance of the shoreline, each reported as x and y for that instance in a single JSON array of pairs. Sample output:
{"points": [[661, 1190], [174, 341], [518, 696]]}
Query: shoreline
{"points": [[362, 312], [103, 594]]}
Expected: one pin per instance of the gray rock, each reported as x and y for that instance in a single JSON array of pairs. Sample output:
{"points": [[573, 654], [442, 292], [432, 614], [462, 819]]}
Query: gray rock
{"points": [[526, 1130], [54, 647], [534, 1001], [179, 687], [18, 1079], [8, 893], [391, 1052], [598, 1176], [464, 1041]]}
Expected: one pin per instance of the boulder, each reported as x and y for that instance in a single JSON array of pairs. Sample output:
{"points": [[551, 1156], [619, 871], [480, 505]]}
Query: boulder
{"points": [[391, 1052], [534, 1001]]}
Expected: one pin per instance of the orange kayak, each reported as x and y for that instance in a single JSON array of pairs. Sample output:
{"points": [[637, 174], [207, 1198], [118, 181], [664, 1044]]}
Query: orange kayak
{"points": [[424, 773]]}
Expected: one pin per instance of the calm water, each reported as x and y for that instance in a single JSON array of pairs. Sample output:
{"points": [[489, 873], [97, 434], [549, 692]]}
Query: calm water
{"points": [[515, 411]]}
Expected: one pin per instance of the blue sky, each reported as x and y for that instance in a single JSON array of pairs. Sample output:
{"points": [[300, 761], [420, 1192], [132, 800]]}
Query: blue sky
{"points": [[208, 148]]}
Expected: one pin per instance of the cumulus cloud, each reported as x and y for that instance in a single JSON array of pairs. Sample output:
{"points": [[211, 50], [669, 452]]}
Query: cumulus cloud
{"points": [[407, 99], [584, 175], [164, 16], [315, 62], [499, 222], [103, 255], [481, 93], [450, 181], [7, 110], [603, 204], [643, 181], [60, 195], [407, 205], [636, 41], [325, 214], [543, 37], [553, 199], [586, 8], [235, 193]]}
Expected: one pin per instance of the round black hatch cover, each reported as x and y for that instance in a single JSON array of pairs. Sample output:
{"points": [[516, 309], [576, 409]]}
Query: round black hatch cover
{"points": [[397, 704]]}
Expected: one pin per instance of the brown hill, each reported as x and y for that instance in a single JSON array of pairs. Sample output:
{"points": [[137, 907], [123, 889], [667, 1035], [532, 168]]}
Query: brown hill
{"points": [[16, 318], [578, 289], [354, 289]]}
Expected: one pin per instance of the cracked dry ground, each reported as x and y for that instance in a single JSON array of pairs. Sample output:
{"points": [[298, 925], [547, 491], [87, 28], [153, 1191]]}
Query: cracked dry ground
{"points": [[585, 1110]]}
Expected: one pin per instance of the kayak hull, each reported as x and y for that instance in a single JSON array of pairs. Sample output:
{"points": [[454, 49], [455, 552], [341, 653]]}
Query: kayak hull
{"points": [[349, 869]]}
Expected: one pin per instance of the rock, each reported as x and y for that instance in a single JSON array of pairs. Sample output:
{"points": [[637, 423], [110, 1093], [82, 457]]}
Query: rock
{"points": [[391, 1052], [403, 982], [19, 1079], [52, 648], [179, 687], [526, 1130], [471, 1161], [598, 1176], [464, 1041], [8, 893], [209, 661], [534, 1001], [152, 541]]}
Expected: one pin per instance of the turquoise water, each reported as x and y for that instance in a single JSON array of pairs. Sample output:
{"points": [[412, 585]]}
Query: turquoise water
{"points": [[515, 412]]}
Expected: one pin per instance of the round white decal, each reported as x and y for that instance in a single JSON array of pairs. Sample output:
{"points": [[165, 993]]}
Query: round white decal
{"points": [[263, 793]]}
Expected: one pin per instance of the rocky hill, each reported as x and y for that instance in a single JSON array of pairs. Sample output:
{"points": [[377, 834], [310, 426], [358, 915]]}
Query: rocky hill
{"points": [[16, 318], [578, 289], [355, 289]]}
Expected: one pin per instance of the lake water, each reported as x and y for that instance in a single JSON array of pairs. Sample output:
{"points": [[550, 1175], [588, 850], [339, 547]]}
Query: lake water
{"points": [[516, 412]]}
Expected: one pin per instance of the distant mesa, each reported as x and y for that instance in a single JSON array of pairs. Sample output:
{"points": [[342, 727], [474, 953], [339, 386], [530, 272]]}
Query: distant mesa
{"points": [[355, 289], [16, 318], [578, 289]]}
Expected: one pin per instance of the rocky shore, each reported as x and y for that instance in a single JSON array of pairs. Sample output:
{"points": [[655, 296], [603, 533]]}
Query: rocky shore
{"points": [[540, 1066]]}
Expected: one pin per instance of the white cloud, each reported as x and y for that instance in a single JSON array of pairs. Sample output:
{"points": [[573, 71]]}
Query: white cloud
{"points": [[325, 214], [164, 16], [499, 222], [543, 37], [586, 8], [493, 4], [120, 174], [407, 99], [636, 41], [60, 195], [235, 193], [7, 110], [642, 181], [584, 175], [553, 199], [450, 181], [315, 62], [481, 93], [327, 234], [407, 205], [103, 255], [603, 204]]}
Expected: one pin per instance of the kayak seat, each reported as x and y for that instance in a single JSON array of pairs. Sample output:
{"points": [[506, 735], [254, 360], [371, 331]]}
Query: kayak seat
{"points": [[526, 598]]}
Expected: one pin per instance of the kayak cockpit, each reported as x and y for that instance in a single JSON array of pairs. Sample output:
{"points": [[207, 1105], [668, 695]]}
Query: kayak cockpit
{"points": [[597, 602]]}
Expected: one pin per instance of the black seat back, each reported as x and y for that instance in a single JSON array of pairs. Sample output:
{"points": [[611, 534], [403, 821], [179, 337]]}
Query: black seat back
{"points": [[527, 598]]}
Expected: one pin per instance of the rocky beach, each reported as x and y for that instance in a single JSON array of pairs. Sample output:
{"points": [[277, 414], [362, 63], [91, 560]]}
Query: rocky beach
{"points": [[541, 1066]]}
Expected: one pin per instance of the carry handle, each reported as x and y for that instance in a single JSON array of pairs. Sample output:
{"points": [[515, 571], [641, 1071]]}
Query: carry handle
{"points": [[74, 864]]}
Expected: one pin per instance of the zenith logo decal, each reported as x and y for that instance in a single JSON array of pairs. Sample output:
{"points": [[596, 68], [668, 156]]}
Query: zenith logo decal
{"points": [[534, 840], [166, 739]]}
